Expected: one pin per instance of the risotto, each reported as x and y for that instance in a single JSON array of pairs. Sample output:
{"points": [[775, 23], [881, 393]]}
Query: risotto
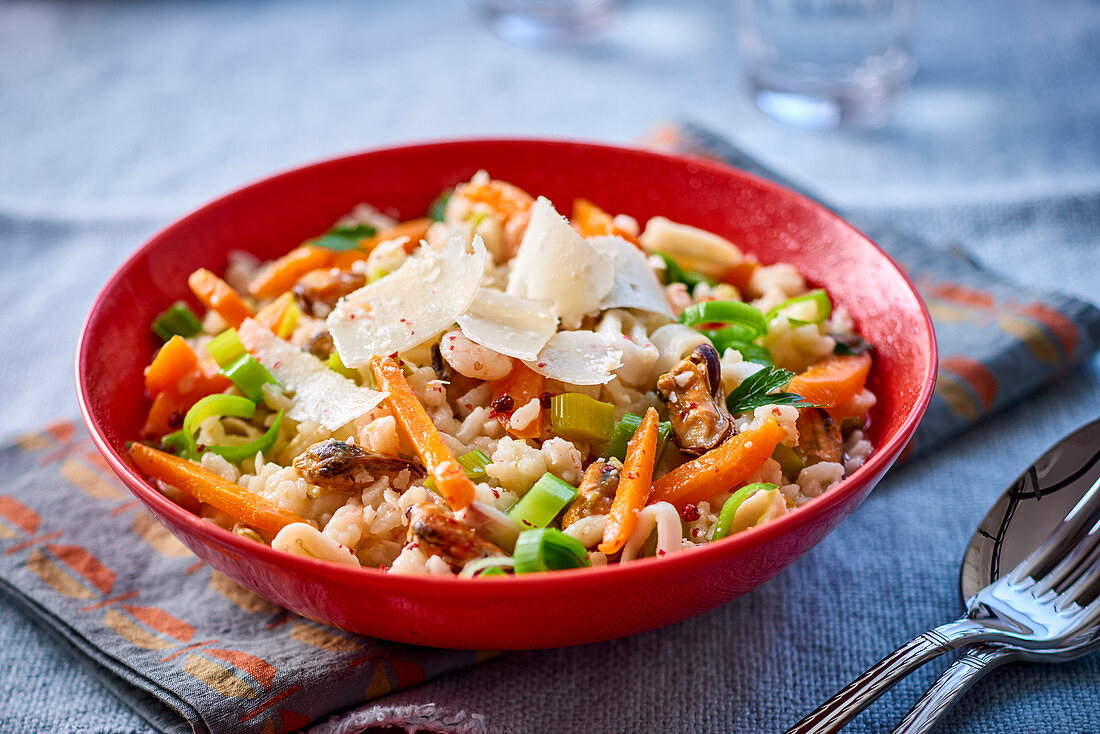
{"points": [[496, 389]]}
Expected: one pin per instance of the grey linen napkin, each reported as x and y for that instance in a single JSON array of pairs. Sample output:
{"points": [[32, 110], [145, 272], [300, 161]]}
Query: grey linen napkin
{"points": [[190, 650]]}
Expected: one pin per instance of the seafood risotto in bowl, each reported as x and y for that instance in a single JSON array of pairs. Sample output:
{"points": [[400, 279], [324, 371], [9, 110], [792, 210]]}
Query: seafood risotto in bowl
{"points": [[509, 380], [495, 389]]}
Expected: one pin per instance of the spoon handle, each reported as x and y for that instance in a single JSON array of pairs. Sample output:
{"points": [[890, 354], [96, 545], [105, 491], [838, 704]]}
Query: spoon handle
{"points": [[952, 684], [846, 703]]}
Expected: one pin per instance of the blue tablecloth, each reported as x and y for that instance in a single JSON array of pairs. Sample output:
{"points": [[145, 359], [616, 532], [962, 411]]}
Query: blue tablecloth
{"points": [[117, 117]]}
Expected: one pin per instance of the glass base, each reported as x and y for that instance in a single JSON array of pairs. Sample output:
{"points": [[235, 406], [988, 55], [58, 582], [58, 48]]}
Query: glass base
{"points": [[818, 111], [544, 24]]}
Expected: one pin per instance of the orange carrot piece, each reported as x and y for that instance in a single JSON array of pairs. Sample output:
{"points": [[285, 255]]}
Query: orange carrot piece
{"points": [[173, 362], [592, 221], [725, 466], [206, 486], [523, 385], [450, 480], [280, 315], [179, 398], [740, 274], [281, 275], [217, 295], [635, 485], [833, 381], [414, 229]]}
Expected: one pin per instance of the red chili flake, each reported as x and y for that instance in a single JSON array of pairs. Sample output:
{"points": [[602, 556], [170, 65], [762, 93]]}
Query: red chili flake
{"points": [[690, 513], [175, 419], [503, 404], [393, 356], [495, 492], [544, 400], [542, 364], [696, 533], [660, 552]]}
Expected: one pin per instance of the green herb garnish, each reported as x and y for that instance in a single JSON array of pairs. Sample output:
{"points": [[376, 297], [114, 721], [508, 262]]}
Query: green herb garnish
{"points": [[343, 237], [675, 274], [756, 391], [439, 206]]}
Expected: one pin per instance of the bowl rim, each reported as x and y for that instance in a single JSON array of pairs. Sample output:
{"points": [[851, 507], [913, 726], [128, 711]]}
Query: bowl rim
{"points": [[881, 459]]}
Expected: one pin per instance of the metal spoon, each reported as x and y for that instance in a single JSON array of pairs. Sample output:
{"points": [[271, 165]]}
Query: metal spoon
{"points": [[1039, 535], [1002, 540]]}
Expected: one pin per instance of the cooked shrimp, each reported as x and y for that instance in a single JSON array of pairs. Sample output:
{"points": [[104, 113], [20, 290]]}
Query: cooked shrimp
{"points": [[471, 359]]}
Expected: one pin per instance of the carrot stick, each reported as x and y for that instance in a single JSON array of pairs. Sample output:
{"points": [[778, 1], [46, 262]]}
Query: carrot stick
{"points": [[833, 381], [217, 295], [450, 480], [414, 229], [281, 275], [723, 467], [523, 385], [206, 486], [634, 487], [592, 221], [173, 362]]}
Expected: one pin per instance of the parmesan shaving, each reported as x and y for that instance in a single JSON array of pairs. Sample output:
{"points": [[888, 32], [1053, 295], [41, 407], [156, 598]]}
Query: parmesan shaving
{"points": [[414, 303], [635, 285], [511, 325], [556, 264], [319, 393], [578, 358]]}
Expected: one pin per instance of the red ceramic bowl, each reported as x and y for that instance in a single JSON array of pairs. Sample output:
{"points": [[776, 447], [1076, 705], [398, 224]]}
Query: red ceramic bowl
{"points": [[540, 610]]}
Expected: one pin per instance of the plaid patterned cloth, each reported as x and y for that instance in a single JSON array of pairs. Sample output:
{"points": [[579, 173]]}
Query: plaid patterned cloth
{"points": [[190, 650]]}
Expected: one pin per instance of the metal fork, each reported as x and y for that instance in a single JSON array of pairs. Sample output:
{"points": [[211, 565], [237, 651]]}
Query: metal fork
{"points": [[1034, 606]]}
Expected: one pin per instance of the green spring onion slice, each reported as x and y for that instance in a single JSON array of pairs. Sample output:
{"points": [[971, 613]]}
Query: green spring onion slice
{"points": [[337, 365], [177, 319], [624, 431], [578, 417], [789, 460], [543, 502], [212, 406], [221, 405], [249, 376], [748, 318], [675, 274], [547, 549], [263, 444], [819, 298], [225, 348], [175, 443], [473, 463], [729, 509], [493, 566]]}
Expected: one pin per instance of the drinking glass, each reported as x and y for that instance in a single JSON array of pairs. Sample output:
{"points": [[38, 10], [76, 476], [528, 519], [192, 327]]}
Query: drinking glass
{"points": [[548, 22], [827, 63]]}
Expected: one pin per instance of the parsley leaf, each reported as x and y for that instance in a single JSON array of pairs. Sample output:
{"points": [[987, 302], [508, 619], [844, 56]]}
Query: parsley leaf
{"points": [[439, 206], [756, 391], [344, 238]]}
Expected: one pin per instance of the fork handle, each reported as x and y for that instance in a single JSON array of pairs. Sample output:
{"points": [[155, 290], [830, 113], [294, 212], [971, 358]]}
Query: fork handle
{"points": [[846, 703], [952, 684]]}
